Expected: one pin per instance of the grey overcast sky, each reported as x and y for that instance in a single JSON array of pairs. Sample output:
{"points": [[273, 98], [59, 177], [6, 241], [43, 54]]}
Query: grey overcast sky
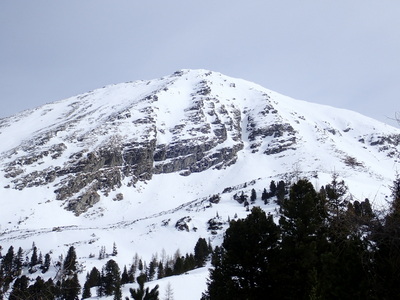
{"points": [[343, 53]]}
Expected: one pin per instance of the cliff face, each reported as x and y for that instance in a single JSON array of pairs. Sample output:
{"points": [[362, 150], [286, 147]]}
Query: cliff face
{"points": [[84, 147]]}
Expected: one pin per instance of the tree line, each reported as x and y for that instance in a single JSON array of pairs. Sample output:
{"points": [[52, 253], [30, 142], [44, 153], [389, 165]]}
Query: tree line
{"points": [[106, 282]]}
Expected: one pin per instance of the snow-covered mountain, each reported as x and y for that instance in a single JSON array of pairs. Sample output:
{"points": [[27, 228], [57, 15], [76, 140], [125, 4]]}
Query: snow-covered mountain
{"points": [[139, 163]]}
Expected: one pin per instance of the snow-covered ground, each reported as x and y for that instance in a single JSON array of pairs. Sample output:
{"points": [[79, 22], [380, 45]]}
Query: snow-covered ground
{"points": [[144, 221]]}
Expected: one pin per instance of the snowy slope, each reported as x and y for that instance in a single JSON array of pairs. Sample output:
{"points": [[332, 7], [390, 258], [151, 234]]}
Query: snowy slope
{"points": [[200, 132]]}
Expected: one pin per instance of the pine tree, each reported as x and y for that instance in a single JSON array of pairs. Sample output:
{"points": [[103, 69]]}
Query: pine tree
{"points": [[101, 285], [151, 270], [54, 289], [168, 268], [20, 289], [102, 252], [70, 262], [343, 253], [144, 294], [34, 258], [43, 290], [302, 224], [111, 277], [70, 288], [201, 252], [86, 291], [336, 197], [189, 263], [178, 266], [242, 198], [46, 264], [36, 291], [2, 287], [118, 292], [242, 268], [160, 270], [115, 251], [265, 196], [7, 267], [125, 276], [272, 189], [387, 254], [18, 261], [280, 192], [253, 196], [40, 258], [94, 277], [140, 266]]}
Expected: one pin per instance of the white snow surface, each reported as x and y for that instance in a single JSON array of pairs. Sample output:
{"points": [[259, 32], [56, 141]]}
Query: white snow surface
{"points": [[144, 221]]}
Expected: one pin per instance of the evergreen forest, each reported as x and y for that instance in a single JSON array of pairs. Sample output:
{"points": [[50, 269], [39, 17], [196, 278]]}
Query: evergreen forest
{"points": [[320, 245]]}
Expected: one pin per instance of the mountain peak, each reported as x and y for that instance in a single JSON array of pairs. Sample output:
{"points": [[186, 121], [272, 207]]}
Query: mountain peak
{"points": [[88, 147], [153, 165]]}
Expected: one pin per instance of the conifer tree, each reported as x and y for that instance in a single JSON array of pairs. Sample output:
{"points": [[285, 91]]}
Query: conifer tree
{"points": [[125, 276], [336, 193], [94, 277], [8, 261], [111, 277], [40, 258], [1, 282], [140, 266], [86, 291], [102, 252], [70, 262], [118, 292], [265, 196], [18, 261], [242, 268], [115, 251], [242, 198], [280, 192], [36, 290], [178, 266], [70, 288], [46, 264], [54, 290], [151, 270], [168, 268], [387, 254], [169, 292], [144, 294], [7, 268], [34, 258], [189, 262], [101, 286], [272, 188], [20, 289], [253, 195], [201, 252], [160, 270], [302, 224]]}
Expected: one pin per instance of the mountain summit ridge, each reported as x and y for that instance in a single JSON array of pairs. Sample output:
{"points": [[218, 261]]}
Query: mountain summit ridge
{"points": [[110, 144]]}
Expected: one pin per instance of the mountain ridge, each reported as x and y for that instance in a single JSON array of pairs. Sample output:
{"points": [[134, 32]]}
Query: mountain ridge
{"points": [[134, 134], [140, 163]]}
